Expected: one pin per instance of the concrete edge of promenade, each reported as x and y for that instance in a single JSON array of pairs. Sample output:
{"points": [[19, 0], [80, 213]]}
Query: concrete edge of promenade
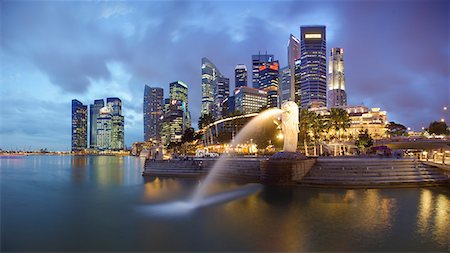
{"points": [[282, 172]]}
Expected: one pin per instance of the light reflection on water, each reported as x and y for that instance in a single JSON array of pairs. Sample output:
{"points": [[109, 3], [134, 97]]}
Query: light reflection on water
{"points": [[87, 203], [433, 217]]}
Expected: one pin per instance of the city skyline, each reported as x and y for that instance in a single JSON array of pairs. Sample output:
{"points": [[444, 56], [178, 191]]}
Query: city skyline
{"points": [[100, 50]]}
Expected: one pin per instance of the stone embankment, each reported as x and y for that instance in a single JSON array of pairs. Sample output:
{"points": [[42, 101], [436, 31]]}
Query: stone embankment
{"points": [[372, 172], [321, 172], [234, 168]]}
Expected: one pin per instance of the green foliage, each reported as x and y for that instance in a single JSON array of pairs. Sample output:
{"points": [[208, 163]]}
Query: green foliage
{"points": [[364, 139], [395, 129], [339, 120], [438, 128]]}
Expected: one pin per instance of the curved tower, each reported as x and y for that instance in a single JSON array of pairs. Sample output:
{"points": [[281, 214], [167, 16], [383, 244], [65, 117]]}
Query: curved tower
{"points": [[336, 79]]}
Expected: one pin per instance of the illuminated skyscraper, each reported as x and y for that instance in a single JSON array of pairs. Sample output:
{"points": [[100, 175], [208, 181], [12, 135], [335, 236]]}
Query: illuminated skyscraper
{"points": [[269, 80], [153, 108], [285, 84], [240, 75], [94, 113], [336, 79], [257, 61], [293, 50], [178, 91], [116, 141], [79, 125], [104, 129], [221, 92], [313, 66], [209, 75]]}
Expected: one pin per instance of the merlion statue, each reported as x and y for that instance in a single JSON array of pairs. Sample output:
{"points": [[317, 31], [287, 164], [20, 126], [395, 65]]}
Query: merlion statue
{"points": [[289, 125]]}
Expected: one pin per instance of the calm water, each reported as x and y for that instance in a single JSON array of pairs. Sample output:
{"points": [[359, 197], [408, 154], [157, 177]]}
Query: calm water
{"points": [[62, 203]]}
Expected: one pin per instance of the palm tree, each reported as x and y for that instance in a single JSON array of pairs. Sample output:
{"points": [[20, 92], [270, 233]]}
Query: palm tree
{"points": [[305, 127], [339, 121], [318, 127]]}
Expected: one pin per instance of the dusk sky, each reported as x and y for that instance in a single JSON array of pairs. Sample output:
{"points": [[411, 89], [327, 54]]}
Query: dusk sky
{"points": [[397, 56]]}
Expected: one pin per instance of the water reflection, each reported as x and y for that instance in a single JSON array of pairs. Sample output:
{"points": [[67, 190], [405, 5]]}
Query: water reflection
{"points": [[106, 171], [433, 217]]}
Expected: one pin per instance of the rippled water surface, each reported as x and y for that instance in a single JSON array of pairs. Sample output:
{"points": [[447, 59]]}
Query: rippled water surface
{"points": [[102, 203]]}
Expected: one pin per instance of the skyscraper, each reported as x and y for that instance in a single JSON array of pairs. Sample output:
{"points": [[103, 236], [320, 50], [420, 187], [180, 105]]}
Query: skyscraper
{"points": [[174, 122], [257, 61], [209, 76], [79, 125], [313, 68], [221, 92], [104, 129], [269, 81], [293, 51], [94, 113], [117, 123], [115, 104], [240, 76], [285, 84], [178, 91], [336, 79], [153, 108], [297, 84]]}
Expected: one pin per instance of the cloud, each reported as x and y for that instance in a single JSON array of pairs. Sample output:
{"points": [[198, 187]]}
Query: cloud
{"points": [[396, 54]]}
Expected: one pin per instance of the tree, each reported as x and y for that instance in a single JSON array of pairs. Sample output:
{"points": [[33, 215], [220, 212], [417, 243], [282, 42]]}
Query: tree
{"points": [[205, 120], [339, 120], [188, 135], [395, 129], [364, 139], [305, 127], [438, 128]]}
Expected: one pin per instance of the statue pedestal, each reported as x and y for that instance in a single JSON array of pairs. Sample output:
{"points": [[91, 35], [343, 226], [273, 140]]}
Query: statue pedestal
{"points": [[285, 168]]}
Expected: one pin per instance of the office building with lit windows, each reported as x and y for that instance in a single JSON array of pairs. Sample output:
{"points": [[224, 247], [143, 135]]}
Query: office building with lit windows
{"points": [[313, 66], [293, 52], [209, 75], [257, 61], [221, 92], [285, 84], [174, 122], [249, 100], [79, 125], [153, 108], [178, 91], [94, 113], [240, 76], [269, 81], [337, 96]]}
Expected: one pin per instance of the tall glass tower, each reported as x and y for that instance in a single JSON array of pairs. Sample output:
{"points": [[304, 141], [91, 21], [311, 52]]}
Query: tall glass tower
{"points": [[313, 66], [94, 113], [285, 84], [269, 81], [221, 92], [153, 107], [240, 76], [293, 51], [117, 123], [257, 61], [79, 125], [209, 75], [336, 79], [178, 91]]}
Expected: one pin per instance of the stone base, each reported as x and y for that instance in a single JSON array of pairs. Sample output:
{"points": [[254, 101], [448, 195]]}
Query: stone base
{"points": [[285, 168], [288, 156]]}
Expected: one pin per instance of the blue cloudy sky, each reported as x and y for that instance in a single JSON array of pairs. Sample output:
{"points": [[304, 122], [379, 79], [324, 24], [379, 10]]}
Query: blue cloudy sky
{"points": [[397, 55]]}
